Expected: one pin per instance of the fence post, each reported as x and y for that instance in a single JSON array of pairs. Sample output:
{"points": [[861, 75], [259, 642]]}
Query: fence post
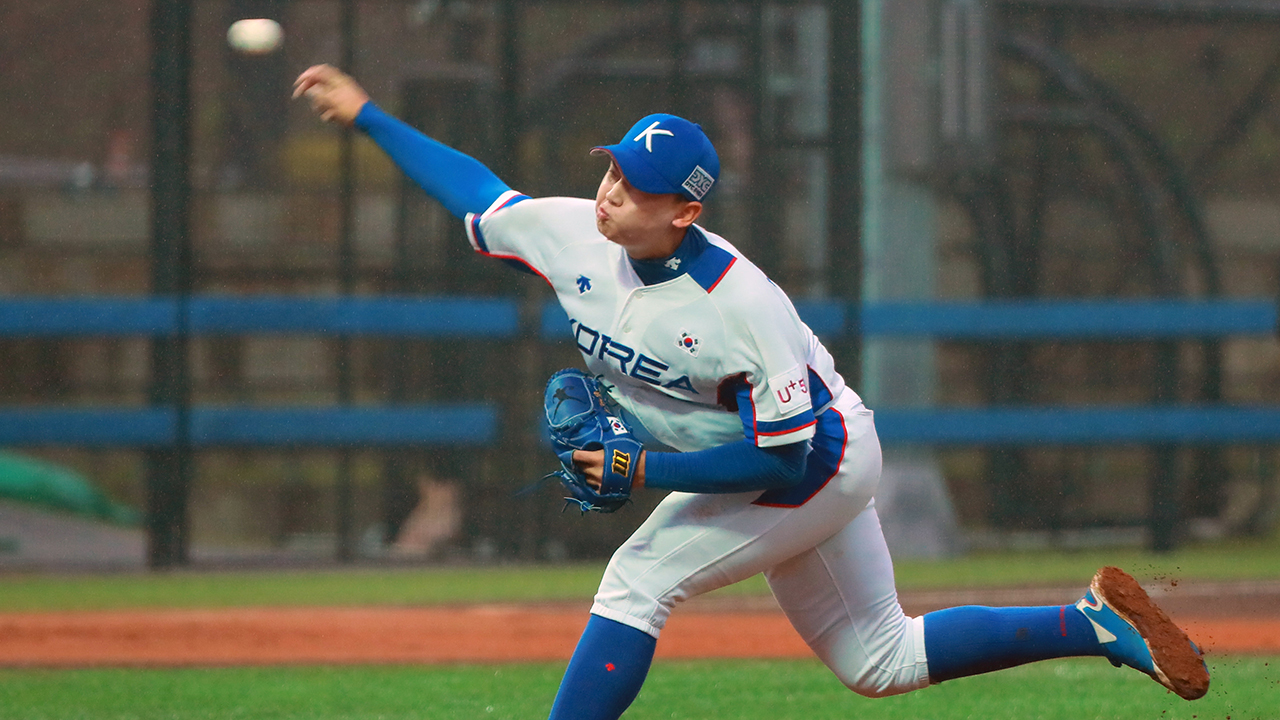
{"points": [[169, 469]]}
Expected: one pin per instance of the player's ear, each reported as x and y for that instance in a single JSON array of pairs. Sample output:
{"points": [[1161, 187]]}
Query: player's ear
{"points": [[687, 214]]}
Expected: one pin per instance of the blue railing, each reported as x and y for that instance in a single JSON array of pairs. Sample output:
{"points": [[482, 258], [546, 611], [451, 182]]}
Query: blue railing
{"points": [[1093, 425], [499, 317], [1027, 320], [247, 426], [247, 315], [496, 318]]}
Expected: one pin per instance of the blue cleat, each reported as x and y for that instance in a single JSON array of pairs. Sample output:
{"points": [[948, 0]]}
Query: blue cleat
{"points": [[1134, 632]]}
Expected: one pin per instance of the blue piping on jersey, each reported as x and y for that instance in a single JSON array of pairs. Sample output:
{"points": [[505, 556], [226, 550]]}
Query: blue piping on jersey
{"points": [[782, 427], [829, 443], [475, 219], [478, 241], [820, 396], [711, 267]]}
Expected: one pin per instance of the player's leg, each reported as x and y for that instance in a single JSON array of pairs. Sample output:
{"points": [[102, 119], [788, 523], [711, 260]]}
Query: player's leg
{"points": [[840, 594], [1115, 619], [841, 599], [689, 545], [605, 673]]}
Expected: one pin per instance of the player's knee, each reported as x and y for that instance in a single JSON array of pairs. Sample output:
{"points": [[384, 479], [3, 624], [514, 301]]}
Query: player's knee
{"points": [[874, 682], [624, 593], [890, 667]]}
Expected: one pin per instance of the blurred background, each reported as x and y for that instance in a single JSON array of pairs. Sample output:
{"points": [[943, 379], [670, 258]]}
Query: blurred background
{"points": [[1040, 236]]}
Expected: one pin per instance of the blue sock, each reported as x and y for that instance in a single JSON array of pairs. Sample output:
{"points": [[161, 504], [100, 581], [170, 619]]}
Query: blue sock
{"points": [[605, 673], [969, 640]]}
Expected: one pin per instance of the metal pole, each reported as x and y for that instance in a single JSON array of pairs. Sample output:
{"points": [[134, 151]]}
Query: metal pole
{"points": [[344, 495], [508, 89], [169, 469], [677, 82], [845, 207], [527, 529]]}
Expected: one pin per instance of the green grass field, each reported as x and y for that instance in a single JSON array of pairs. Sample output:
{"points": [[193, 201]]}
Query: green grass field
{"points": [[1243, 689], [577, 582]]}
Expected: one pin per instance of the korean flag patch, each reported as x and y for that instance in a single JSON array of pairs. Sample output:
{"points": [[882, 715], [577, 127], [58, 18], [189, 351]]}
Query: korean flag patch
{"points": [[616, 425], [688, 342]]}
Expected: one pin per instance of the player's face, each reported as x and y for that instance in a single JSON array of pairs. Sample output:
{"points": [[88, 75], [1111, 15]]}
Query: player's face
{"points": [[642, 223]]}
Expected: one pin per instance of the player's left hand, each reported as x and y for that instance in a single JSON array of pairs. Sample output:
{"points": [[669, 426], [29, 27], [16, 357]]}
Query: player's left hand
{"points": [[334, 95], [583, 433], [591, 463]]}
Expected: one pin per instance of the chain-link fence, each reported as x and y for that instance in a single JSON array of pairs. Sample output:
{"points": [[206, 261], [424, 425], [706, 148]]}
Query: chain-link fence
{"points": [[1064, 150]]}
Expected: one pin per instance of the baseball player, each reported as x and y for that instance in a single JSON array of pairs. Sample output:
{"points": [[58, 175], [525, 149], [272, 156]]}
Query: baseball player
{"points": [[770, 461]]}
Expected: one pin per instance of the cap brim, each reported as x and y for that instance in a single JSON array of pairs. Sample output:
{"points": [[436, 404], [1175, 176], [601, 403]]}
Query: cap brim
{"points": [[637, 170]]}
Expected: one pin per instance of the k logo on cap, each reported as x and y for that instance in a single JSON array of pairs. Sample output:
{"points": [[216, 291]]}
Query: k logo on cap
{"points": [[667, 154]]}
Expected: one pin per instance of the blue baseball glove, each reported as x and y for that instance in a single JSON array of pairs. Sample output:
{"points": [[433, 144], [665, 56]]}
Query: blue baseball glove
{"points": [[578, 420]]}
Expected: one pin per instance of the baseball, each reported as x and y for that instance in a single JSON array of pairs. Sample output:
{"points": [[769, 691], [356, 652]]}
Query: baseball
{"points": [[255, 36]]}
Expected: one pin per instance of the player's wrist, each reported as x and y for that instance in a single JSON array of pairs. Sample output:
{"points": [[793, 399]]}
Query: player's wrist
{"points": [[365, 114]]}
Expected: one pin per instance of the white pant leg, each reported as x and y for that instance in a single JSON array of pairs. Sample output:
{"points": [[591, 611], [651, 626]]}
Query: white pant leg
{"points": [[695, 543], [841, 598]]}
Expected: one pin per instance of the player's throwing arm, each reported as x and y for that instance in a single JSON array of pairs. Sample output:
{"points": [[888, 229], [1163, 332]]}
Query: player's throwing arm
{"points": [[334, 95]]}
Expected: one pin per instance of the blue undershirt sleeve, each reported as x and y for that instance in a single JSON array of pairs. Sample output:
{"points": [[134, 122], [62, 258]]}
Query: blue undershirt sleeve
{"points": [[460, 182], [736, 467]]}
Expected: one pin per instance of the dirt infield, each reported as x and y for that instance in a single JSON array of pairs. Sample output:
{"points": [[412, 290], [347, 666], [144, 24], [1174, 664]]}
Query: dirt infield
{"points": [[1222, 618]]}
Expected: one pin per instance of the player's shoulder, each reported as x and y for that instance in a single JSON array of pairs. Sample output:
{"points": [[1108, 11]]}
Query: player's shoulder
{"points": [[524, 206], [728, 271], [742, 290], [564, 219]]}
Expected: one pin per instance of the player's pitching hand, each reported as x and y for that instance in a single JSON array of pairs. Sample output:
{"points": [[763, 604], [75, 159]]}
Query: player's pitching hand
{"points": [[333, 94], [591, 462]]}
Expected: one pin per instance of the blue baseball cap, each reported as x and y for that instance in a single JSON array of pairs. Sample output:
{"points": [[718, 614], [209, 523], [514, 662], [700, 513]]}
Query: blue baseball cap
{"points": [[667, 154]]}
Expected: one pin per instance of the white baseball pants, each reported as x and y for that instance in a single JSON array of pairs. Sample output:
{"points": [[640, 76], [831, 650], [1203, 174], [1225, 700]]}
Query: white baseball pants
{"points": [[826, 562]]}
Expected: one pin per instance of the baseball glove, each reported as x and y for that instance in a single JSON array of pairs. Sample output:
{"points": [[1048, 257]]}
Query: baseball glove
{"points": [[579, 420]]}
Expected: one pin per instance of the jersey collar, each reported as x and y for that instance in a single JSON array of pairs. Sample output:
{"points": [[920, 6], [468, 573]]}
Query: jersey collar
{"points": [[652, 272], [705, 263]]}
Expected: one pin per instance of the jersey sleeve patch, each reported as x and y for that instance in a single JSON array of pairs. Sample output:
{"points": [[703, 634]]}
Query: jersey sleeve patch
{"points": [[785, 396], [789, 391], [768, 433]]}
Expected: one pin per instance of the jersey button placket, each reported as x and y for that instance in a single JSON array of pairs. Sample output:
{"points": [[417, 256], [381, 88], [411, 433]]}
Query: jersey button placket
{"points": [[624, 317]]}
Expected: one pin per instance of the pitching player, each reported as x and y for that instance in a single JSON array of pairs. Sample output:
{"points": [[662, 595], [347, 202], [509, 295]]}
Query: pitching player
{"points": [[770, 460]]}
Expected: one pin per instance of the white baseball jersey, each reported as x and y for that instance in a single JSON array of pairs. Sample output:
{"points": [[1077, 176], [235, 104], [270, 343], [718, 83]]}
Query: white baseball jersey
{"points": [[676, 350]]}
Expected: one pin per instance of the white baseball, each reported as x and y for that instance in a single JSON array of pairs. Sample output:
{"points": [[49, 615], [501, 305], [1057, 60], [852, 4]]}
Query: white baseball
{"points": [[255, 36]]}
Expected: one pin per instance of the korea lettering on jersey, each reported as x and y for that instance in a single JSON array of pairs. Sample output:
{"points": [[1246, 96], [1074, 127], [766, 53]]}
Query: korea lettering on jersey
{"points": [[675, 348]]}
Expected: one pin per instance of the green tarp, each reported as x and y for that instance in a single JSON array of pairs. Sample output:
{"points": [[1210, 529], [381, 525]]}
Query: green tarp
{"points": [[47, 485]]}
